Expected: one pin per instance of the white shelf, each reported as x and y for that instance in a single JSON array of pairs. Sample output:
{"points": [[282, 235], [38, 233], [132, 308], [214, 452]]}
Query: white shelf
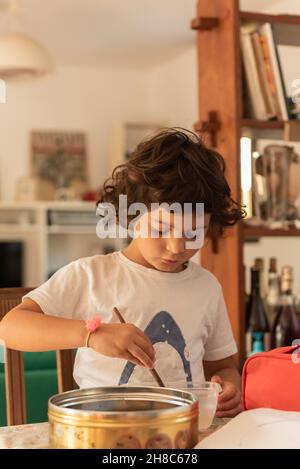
{"points": [[70, 205], [74, 229], [45, 247], [18, 228]]}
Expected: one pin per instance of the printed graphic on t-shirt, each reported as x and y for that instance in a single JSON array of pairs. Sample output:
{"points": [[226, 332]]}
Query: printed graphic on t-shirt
{"points": [[163, 329]]}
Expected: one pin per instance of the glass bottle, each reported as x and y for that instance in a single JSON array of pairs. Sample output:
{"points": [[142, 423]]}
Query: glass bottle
{"points": [[286, 326], [273, 294], [259, 264], [258, 337]]}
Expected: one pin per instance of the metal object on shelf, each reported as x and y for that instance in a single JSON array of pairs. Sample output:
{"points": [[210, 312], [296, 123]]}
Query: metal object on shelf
{"points": [[276, 188], [278, 159]]}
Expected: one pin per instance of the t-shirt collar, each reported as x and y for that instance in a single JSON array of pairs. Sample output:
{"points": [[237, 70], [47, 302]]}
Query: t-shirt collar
{"points": [[153, 272]]}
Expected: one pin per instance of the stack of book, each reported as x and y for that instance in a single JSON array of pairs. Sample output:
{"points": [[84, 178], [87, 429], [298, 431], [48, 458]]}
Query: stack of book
{"points": [[263, 73]]}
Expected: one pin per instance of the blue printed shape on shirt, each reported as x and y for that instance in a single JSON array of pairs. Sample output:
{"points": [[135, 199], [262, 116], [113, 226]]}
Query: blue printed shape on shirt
{"points": [[162, 328]]}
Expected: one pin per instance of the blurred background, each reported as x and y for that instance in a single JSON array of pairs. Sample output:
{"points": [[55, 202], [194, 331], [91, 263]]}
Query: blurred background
{"points": [[117, 71], [113, 73], [83, 81]]}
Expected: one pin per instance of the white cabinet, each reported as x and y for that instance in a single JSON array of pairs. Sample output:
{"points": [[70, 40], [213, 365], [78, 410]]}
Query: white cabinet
{"points": [[53, 234]]}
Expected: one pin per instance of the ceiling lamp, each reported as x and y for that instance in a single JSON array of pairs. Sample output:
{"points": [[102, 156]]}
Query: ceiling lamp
{"points": [[22, 57]]}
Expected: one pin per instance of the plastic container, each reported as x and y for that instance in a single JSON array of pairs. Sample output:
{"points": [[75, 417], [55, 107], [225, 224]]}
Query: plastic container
{"points": [[207, 393]]}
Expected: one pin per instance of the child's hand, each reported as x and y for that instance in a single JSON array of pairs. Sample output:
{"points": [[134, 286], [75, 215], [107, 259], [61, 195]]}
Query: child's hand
{"points": [[123, 341], [229, 401]]}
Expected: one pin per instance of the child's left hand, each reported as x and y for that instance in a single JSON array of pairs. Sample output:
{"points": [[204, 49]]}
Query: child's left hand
{"points": [[230, 399]]}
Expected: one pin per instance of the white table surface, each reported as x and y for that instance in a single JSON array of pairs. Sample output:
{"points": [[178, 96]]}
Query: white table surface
{"points": [[36, 435]]}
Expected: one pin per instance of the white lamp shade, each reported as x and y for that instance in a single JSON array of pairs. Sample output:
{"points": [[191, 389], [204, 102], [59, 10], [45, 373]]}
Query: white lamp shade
{"points": [[21, 57]]}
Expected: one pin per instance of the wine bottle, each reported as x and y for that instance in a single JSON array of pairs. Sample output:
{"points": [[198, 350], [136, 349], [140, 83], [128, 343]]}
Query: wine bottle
{"points": [[297, 304], [246, 294], [273, 295], [286, 326], [259, 264], [258, 337]]}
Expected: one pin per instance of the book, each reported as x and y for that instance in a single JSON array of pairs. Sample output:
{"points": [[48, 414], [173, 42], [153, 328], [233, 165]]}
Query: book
{"points": [[267, 31], [270, 83], [263, 70], [257, 101]]}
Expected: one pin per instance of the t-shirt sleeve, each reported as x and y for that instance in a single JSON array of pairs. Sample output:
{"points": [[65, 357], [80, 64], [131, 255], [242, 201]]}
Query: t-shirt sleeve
{"points": [[64, 294], [220, 342]]}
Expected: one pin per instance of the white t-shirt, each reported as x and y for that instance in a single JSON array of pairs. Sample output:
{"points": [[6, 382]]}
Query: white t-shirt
{"points": [[183, 314]]}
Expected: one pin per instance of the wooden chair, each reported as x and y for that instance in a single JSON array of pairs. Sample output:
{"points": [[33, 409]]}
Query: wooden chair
{"points": [[14, 365]]}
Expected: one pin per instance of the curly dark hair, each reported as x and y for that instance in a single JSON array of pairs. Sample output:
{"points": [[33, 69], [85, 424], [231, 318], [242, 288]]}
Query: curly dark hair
{"points": [[176, 166]]}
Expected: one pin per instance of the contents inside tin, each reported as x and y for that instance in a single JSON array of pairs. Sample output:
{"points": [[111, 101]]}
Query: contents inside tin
{"points": [[123, 400], [125, 405]]}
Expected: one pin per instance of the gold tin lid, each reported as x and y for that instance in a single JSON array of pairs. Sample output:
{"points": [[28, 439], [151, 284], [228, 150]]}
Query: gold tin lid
{"points": [[122, 404]]}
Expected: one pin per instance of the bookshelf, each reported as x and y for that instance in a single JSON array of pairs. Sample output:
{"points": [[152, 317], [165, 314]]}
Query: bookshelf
{"points": [[287, 26], [252, 233], [259, 124], [217, 27]]}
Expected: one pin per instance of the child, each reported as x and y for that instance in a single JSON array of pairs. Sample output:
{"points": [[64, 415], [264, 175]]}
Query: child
{"points": [[175, 315]]}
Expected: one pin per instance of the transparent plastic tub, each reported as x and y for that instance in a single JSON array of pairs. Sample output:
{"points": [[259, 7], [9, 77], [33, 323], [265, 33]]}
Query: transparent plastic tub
{"points": [[207, 393]]}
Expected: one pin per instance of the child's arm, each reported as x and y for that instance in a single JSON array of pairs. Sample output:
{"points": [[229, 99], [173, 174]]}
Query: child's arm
{"points": [[226, 374], [26, 328], [225, 368]]}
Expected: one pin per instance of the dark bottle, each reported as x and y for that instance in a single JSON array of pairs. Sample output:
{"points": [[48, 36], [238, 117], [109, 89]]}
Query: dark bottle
{"points": [[286, 326], [273, 295], [258, 337], [246, 294]]}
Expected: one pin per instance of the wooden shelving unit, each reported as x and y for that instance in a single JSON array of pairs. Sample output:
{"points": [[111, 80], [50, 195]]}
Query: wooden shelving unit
{"points": [[250, 16], [256, 124], [255, 232], [220, 115], [287, 26]]}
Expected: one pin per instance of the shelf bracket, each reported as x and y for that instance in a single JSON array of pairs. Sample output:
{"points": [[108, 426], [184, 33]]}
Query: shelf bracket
{"points": [[204, 23], [210, 126]]}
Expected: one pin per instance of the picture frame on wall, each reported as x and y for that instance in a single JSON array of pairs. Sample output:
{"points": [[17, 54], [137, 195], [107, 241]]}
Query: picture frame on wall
{"points": [[60, 157]]}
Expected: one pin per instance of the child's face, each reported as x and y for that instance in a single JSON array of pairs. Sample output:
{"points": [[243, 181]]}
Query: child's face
{"points": [[169, 253]]}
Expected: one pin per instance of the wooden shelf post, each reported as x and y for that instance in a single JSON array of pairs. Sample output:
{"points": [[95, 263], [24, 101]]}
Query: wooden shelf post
{"points": [[220, 90]]}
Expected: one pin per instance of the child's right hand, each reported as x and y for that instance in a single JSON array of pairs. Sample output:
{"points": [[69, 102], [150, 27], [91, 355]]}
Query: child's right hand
{"points": [[123, 341]]}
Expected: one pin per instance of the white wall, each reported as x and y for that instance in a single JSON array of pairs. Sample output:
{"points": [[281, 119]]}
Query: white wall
{"points": [[72, 98], [92, 100], [172, 90]]}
